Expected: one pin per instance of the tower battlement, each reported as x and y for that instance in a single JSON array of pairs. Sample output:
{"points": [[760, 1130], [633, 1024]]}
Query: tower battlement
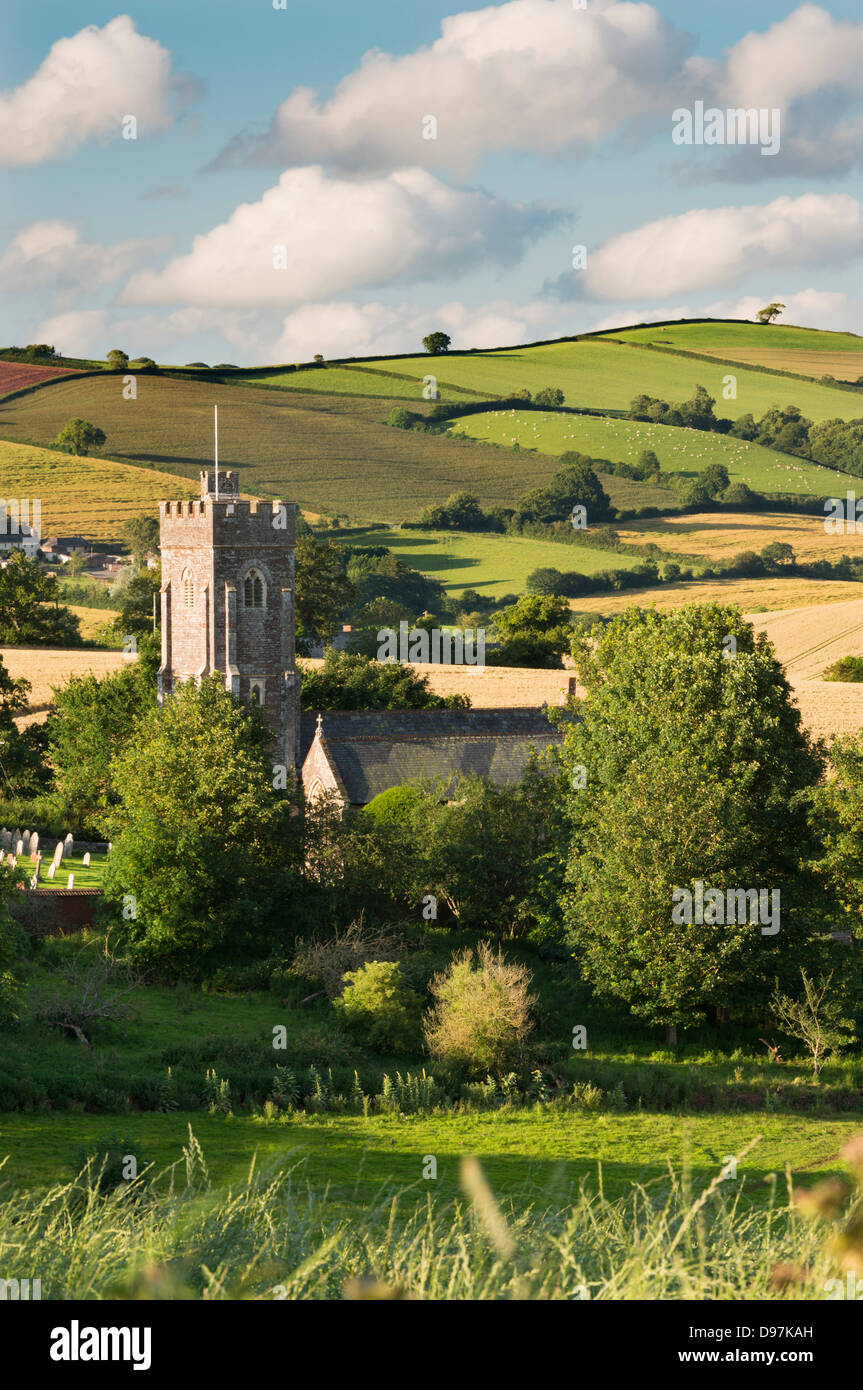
{"points": [[228, 600]]}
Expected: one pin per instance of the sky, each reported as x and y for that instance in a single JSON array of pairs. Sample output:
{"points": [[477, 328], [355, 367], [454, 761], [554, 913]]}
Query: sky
{"points": [[261, 180]]}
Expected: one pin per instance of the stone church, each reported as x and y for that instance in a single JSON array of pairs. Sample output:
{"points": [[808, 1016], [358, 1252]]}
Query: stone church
{"points": [[228, 606]]}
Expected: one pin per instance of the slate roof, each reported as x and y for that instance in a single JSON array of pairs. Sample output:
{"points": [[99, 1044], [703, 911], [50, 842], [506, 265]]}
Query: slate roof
{"points": [[376, 750]]}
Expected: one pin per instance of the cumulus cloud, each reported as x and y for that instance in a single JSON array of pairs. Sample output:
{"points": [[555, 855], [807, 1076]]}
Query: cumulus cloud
{"points": [[543, 76], [718, 246], [312, 235], [50, 253], [84, 88], [527, 75]]}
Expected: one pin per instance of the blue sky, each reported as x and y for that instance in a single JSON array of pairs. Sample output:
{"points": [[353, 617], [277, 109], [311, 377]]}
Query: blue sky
{"points": [[268, 135]]}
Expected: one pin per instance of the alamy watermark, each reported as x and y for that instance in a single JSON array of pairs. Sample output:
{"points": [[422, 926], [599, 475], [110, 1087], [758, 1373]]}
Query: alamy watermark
{"points": [[846, 515], [732, 906], [736, 126], [432, 646]]}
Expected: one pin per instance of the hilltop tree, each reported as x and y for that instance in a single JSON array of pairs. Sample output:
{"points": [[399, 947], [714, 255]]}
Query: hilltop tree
{"points": [[436, 343], [695, 765], [117, 359], [30, 613], [80, 436], [771, 312]]}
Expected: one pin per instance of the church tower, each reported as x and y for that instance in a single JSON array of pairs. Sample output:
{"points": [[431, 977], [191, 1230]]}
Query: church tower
{"points": [[228, 601]]}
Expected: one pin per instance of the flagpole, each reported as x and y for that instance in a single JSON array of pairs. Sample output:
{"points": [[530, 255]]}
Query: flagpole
{"points": [[216, 427]]}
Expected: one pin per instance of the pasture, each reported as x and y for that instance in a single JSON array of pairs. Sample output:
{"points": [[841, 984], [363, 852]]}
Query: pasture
{"points": [[722, 535], [683, 451], [328, 453], [492, 564], [603, 374]]}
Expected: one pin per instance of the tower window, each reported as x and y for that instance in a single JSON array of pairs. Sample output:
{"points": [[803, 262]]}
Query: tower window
{"points": [[256, 692], [188, 590], [254, 590]]}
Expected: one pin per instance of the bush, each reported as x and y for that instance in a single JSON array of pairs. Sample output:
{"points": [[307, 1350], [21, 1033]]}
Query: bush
{"points": [[115, 1163], [847, 668], [482, 1014], [377, 1003], [327, 962]]}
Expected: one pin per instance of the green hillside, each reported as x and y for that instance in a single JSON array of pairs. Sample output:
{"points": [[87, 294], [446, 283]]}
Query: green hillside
{"points": [[678, 450], [327, 453], [602, 374], [493, 564], [706, 336]]}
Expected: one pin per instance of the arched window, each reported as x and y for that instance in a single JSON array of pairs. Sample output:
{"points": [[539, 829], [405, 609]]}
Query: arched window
{"points": [[255, 590], [188, 589], [256, 692]]}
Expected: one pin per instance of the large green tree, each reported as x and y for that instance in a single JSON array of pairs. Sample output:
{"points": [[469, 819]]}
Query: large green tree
{"points": [[93, 722], [206, 861], [80, 436], [689, 765], [535, 631], [324, 592], [141, 534], [30, 611], [348, 680], [21, 766]]}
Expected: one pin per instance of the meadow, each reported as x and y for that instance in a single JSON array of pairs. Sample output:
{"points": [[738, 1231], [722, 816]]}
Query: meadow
{"points": [[346, 381], [778, 346], [683, 451], [492, 564], [602, 374], [719, 536], [328, 453]]}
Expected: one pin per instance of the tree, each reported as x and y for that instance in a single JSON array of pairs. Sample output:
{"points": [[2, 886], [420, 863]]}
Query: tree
{"points": [[460, 512], [92, 724], [815, 1020], [141, 534], [575, 484], [676, 733], [437, 342], [482, 1013], [30, 614], [648, 464], [40, 352], [846, 668], [549, 396], [205, 865], [21, 768], [117, 359], [12, 943], [535, 631], [778, 553], [324, 592], [837, 807], [543, 581], [771, 312], [348, 680], [715, 478], [695, 492], [80, 436]]}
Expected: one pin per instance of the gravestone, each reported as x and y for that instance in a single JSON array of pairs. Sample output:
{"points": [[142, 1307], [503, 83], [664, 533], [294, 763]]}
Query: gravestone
{"points": [[58, 851], [34, 842], [25, 841], [34, 855], [12, 861], [52, 869], [68, 842], [71, 881], [87, 860], [19, 847]]}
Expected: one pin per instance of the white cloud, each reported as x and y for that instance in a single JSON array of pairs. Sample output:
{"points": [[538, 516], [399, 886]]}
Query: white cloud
{"points": [[527, 75], [51, 253], [717, 246], [339, 234], [84, 88], [543, 76]]}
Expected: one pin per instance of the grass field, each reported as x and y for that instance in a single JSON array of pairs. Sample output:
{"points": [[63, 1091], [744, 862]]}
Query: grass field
{"points": [[89, 497], [86, 876], [91, 619], [328, 453], [679, 450], [721, 535], [492, 564], [606, 375], [360, 381], [47, 666]]}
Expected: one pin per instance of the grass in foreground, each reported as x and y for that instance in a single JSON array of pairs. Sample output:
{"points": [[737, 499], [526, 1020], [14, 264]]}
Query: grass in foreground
{"points": [[279, 1233]]}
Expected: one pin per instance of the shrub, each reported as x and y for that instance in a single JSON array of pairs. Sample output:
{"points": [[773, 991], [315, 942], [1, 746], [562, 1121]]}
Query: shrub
{"points": [[847, 668], [482, 1014], [378, 1004], [327, 962], [116, 1162]]}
